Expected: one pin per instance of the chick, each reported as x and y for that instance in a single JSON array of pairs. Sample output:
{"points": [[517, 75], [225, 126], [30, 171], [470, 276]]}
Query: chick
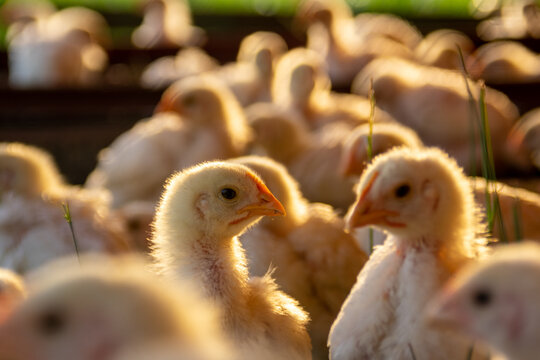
{"points": [[505, 62], [423, 200], [33, 229], [302, 84], [514, 20], [435, 103], [12, 292], [495, 301], [312, 161], [99, 308], [346, 46], [441, 48], [202, 212], [167, 23], [384, 137], [315, 260], [187, 62], [250, 77], [520, 210], [64, 49], [211, 126], [523, 144]]}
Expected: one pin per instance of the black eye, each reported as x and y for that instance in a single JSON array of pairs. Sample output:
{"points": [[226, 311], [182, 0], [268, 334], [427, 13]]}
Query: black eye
{"points": [[402, 191], [228, 193], [482, 298], [51, 323]]}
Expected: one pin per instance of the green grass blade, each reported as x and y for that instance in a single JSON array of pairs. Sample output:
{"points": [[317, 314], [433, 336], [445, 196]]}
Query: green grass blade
{"points": [[518, 226], [370, 145], [67, 216], [470, 353]]}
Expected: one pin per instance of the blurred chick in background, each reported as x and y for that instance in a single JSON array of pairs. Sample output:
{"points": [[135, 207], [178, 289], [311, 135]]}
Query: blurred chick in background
{"points": [[100, 308], [496, 301], [440, 48], [312, 257], [347, 45], [198, 119], [423, 200], [202, 212], [523, 142], [434, 102], [33, 229], [62, 49], [167, 23]]}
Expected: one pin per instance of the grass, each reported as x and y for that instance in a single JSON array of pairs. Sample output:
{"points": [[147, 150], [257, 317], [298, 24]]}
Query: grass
{"points": [[67, 216], [411, 350], [516, 213], [370, 145]]}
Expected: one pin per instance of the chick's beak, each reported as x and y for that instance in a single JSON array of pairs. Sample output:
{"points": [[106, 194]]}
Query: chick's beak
{"points": [[364, 213], [267, 204], [446, 310]]}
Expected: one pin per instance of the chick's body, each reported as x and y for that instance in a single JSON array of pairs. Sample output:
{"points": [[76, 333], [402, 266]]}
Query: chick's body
{"points": [[33, 229], [423, 200], [202, 212], [312, 257]]}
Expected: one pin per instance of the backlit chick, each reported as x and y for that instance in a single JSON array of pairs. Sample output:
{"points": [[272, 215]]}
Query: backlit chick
{"points": [[345, 46], [64, 49], [523, 142], [315, 260], [440, 48], [423, 200], [202, 212], [166, 23], [301, 84], [211, 126], [496, 301], [384, 137], [312, 161], [434, 102], [33, 229], [250, 77], [101, 307], [12, 292], [520, 210], [505, 62]]}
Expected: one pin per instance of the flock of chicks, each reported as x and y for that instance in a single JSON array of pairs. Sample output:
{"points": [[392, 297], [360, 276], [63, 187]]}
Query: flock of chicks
{"points": [[233, 195]]}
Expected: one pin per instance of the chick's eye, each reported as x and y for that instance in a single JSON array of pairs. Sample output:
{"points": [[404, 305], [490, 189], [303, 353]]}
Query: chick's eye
{"points": [[51, 323], [228, 193], [482, 298], [189, 100], [402, 191]]}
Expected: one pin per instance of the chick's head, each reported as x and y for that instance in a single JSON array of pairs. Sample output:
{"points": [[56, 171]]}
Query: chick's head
{"points": [[416, 194], [215, 200], [495, 300]]}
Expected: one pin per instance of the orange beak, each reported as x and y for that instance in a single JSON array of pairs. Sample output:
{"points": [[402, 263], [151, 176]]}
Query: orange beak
{"points": [[267, 204], [445, 309], [363, 214]]}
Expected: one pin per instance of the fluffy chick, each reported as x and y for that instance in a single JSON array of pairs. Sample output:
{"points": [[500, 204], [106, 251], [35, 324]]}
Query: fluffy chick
{"points": [[384, 136], [166, 23], [202, 212], [250, 77], [312, 161], [211, 126], [64, 49], [496, 301], [505, 62], [440, 48], [302, 84], [12, 292], [423, 200], [33, 229], [346, 46], [435, 103], [523, 142], [98, 308], [310, 243]]}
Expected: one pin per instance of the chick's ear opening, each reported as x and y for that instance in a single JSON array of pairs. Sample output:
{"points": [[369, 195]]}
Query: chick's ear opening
{"points": [[430, 194], [202, 205]]}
